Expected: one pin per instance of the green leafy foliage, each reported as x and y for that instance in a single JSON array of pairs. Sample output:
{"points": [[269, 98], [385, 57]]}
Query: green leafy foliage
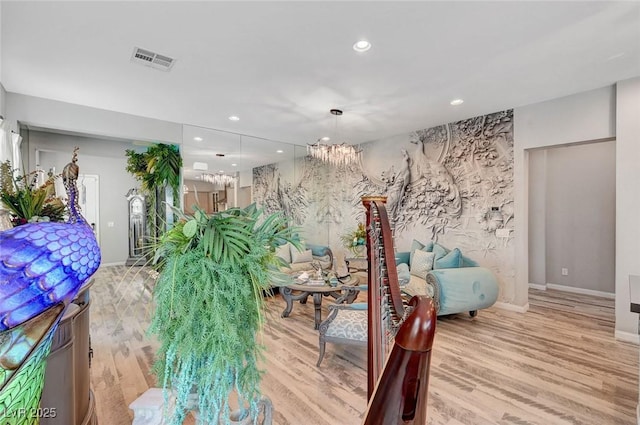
{"points": [[160, 165], [156, 169], [26, 200], [355, 238], [209, 306]]}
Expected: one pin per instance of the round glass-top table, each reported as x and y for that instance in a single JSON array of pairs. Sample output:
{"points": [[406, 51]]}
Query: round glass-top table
{"points": [[301, 291]]}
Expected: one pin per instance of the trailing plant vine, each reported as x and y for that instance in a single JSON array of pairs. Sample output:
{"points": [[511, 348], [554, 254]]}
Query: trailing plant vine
{"points": [[209, 306]]}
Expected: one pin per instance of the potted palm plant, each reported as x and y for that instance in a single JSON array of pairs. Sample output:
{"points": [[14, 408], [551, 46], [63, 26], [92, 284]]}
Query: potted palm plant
{"points": [[213, 270]]}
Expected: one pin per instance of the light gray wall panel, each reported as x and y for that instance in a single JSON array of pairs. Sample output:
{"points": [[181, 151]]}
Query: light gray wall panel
{"points": [[627, 199], [537, 214], [3, 101], [580, 216]]}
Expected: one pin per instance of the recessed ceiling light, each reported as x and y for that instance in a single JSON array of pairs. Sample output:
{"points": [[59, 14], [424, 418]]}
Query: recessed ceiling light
{"points": [[456, 102], [221, 171], [234, 118], [279, 151], [325, 139], [198, 139], [234, 165], [616, 56], [361, 46]]}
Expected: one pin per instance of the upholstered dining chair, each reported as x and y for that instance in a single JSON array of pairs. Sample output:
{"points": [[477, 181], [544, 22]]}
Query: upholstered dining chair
{"points": [[345, 324]]}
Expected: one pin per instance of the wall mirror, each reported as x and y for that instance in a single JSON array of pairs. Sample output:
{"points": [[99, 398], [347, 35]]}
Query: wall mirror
{"points": [[218, 166]]}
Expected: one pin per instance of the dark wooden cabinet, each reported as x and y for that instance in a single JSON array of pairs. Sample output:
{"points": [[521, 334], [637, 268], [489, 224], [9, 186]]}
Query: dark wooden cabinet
{"points": [[67, 389]]}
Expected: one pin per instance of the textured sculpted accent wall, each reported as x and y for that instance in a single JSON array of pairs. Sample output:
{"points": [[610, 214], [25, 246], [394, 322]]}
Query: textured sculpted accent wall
{"points": [[452, 184]]}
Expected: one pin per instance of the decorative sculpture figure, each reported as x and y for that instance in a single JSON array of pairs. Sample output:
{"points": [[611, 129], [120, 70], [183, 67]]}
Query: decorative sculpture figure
{"points": [[399, 186], [42, 267]]}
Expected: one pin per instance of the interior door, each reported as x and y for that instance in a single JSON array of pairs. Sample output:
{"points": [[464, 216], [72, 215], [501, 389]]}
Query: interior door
{"points": [[89, 200]]}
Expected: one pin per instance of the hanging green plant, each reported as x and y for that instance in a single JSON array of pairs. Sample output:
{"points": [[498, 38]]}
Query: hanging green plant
{"points": [[209, 306], [163, 165], [155, 169], [159, 166]]}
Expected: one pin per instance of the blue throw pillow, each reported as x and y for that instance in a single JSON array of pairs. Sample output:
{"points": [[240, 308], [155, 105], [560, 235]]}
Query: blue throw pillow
{"points": [[439, 250], [453, 259]]}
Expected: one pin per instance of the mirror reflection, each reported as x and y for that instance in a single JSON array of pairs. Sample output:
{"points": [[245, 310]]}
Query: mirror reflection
{"points": [[218, 166]]}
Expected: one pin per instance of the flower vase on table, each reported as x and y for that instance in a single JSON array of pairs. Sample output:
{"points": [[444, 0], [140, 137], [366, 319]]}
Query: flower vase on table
{"points": [[355, 241], [359, 251]]}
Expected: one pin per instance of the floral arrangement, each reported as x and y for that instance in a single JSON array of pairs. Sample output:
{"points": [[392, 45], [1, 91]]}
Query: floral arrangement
{"points": [[26, 200], [355, 239]]}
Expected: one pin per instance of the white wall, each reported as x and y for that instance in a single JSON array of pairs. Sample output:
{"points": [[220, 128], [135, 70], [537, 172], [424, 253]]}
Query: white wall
{"points": [[2, 89], [246, 178], [537, 216], [580, 216], [51, 114], [3, 101], [627, 201], [244, 197]]}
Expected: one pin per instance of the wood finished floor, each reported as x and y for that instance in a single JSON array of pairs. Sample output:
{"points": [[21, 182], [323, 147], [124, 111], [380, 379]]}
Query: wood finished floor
{"points": [[557, 364]]}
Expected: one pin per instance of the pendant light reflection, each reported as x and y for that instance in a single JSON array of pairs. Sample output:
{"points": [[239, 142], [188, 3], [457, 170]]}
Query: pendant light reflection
{"points": [[218, 179]]}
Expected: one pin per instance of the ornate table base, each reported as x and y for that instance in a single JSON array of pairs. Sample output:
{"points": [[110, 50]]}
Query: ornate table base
{"points": [[350, 292]]}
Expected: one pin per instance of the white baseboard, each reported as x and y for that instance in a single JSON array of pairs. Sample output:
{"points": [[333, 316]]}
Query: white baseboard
{"points": [[538, 286], [627, 337], [581, 291], [512, 307], [117, 263]]}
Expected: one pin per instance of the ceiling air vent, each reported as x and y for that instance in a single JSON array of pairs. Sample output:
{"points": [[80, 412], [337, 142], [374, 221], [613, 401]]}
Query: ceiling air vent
{"points": [[154, 60]]}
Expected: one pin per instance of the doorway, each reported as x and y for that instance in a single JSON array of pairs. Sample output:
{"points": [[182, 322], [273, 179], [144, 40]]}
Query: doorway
{"points": [[572, 218]]}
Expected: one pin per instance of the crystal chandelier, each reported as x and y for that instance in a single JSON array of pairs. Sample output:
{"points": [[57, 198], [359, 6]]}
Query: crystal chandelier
{"points": [[218, 179], [336, 154]]}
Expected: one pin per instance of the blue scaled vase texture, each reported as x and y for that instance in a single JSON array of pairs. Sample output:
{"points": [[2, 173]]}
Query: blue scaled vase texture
{"points": [[42, 268]]}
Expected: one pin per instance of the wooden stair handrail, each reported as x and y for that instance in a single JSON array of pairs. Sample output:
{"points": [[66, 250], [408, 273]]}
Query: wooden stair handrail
{"points": [[397, 382], [400, 396]]}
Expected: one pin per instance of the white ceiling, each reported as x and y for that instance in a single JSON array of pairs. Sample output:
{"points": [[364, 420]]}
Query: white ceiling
{"points": [[280, 66]]}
